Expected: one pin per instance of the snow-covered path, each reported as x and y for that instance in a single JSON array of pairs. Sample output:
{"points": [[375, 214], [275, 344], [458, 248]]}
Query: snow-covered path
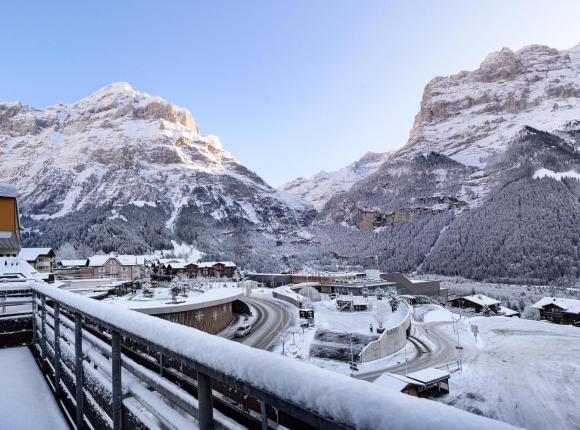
{"points": [[25, 399]]}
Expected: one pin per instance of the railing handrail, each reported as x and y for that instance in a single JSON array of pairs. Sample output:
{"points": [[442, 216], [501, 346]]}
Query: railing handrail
{"points": [[279, 381]]}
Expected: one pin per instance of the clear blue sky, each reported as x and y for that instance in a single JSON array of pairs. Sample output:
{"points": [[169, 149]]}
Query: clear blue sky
{"points": [[291, 87]]}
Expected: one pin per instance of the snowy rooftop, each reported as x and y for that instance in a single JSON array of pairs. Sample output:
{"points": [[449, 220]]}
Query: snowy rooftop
{"points": [[31, 254], [162, 301], [73, 263], [429, 375], [14, 270], [124, 260], [569, 305], [170, 260], [482, 300], [7, 190], [394, 382]]}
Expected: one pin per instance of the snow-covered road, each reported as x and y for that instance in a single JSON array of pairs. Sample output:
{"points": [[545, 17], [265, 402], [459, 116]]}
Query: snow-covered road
{"points": [[269, 321], [434, 344]]}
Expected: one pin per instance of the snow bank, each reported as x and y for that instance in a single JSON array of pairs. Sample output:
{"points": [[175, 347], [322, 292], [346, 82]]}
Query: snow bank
{"points": [[352, 402]]}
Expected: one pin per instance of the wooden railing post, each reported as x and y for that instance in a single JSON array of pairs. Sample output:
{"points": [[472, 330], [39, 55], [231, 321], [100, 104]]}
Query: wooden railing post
{"points": [[43, 330], [57, 350], [205, 401], [161, 364], [116, 376], [79, 370]]}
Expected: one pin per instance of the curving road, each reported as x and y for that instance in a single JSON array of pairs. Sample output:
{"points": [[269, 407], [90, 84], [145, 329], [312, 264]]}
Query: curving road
{"points": [[438, 350], [269, 320]]}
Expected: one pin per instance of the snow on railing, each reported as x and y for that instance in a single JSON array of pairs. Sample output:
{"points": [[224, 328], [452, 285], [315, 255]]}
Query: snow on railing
{"points": [[282, 382]]}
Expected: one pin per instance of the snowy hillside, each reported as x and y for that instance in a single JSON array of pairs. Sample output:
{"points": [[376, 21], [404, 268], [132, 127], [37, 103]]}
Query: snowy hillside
{"points": [[120, 155], [320, 188]]}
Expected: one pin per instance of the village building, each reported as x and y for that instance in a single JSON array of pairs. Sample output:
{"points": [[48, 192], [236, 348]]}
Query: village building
{"points": [[478, 302], [42, 259], [121, 267], [212, 269], [559, 311], [424, 383], [415, 287], [9, 223]]}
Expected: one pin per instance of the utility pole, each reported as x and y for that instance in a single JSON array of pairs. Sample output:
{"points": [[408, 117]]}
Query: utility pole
{"points": [[406, 369]]}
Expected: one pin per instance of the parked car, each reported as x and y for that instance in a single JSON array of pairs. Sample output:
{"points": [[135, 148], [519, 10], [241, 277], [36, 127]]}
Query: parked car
{"points": [[243, 330]]}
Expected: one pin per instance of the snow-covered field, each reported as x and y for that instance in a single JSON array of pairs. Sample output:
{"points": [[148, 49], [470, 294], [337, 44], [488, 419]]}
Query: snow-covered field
{"points": [[523, 372]]}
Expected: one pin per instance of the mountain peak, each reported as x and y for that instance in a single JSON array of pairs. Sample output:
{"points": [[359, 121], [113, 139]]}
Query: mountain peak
{"points": [[117, 87]]}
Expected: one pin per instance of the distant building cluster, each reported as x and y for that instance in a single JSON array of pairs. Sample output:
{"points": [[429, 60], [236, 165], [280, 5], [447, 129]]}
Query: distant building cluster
{"points": [[355, 283], [171, 267]]}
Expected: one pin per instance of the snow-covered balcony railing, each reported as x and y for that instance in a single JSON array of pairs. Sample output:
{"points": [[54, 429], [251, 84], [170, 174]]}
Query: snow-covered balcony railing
{"points": [[113, 368]]}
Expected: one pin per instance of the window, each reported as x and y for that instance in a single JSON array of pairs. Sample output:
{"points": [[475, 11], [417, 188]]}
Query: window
{"points": [[124, 268], [101, 269]]}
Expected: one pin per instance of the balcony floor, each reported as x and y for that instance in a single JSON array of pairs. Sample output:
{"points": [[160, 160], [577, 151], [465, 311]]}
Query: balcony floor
{"points": [[25, 398]]}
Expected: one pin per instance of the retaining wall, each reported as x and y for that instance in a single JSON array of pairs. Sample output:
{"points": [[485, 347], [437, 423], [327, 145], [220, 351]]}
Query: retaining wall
{"points": [[390, 341]]}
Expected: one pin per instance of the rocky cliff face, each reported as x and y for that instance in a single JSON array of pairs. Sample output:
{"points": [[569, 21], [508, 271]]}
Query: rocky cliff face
{"points": [[473, 153], [120, 153], [320, 188]]}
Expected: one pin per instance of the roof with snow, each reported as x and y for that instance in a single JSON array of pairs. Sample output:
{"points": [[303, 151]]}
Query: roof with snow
{"points": [[31, 254], [395, 382], [429, 375], [7, 190], [213, 263], [569, 305], [170, 260], [508, 312], [73, 263], [481, 300], [14, 271], [124, 260]]}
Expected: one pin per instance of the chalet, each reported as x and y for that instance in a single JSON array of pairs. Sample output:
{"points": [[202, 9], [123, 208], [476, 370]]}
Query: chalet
{"points": [[217, 269], [121, 267], [559, 311], [185, 269], [9, 223], [42, 259], [423, 383], [478, 302]]}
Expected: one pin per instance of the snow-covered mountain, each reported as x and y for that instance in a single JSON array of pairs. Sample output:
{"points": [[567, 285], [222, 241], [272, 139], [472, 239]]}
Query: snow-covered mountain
{"points": [[320, 188], [466, 184], [120, 156]]}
